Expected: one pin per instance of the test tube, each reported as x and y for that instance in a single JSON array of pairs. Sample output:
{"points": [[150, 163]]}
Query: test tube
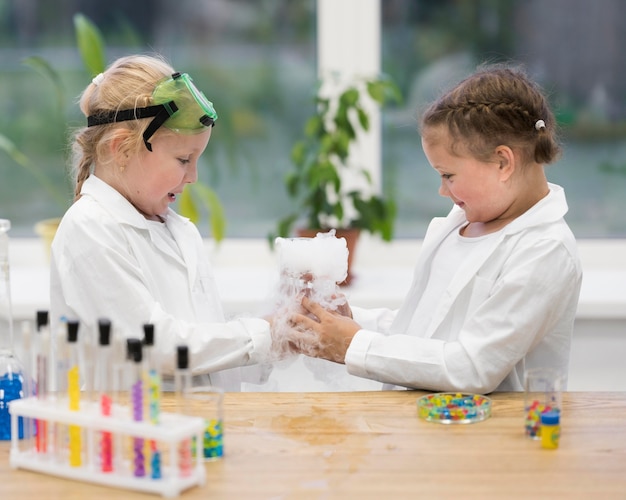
{"points": [[58, 371], [153, 396], [153, 374], [28, 387], [182, 383], [121, 353], [61, 367], [73, 391], [41, 370], [103, 369], [139, 467]]}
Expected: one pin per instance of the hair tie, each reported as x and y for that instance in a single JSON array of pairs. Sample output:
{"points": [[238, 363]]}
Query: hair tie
{"points": [[539, 124], [97, 80]]}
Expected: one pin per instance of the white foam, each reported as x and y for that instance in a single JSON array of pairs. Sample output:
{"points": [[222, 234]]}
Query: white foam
{"points": [[323, 257]]}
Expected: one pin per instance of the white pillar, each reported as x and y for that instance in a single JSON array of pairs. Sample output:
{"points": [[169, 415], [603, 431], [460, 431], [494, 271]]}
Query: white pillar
{"points": [[348, 46]]}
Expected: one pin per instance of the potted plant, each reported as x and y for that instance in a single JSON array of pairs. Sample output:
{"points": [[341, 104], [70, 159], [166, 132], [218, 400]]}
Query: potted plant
{"points": [[193, 202], [322, 161]]}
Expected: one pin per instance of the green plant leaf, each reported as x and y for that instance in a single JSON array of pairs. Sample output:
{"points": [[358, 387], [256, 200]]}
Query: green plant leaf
{"points": [[187, 206], [292, 182], [343, 124], [314, 126], [9, 147], [384, 90], [367, 174], [324, 173], [298, 153], [349, 98], [43, 67], [337, 210], [286, 224], [326, 145], [90, 44], [22, 160], [210, 200], [341, 143], [364, 118]]}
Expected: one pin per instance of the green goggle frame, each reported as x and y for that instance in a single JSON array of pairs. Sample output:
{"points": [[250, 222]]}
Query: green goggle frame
{"points": [[178, 106]]}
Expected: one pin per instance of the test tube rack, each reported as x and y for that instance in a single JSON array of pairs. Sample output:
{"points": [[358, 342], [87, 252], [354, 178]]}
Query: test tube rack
{"points": [[172, 430]]}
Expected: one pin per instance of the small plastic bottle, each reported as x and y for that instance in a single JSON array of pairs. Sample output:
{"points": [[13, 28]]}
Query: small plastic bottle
{"points": [[550, 430]]}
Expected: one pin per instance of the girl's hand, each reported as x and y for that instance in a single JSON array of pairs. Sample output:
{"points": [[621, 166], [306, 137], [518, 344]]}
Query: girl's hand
{"points": [[322, 333]]}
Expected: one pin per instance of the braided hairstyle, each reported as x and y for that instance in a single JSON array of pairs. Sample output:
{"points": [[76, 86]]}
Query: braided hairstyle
{"points": [[127, 83], [497, 105]]}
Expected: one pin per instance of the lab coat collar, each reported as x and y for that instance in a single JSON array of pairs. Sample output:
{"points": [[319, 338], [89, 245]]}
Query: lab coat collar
{"points": [[124, 212], [547, 210], [118, 206]]}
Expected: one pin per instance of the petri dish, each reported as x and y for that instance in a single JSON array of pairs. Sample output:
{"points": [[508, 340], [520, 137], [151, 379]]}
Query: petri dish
{"points": [[454, 408]]}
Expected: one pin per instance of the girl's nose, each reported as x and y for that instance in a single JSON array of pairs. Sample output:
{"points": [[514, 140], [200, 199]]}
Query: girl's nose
{"points": [[192, 174], [443, 189]]}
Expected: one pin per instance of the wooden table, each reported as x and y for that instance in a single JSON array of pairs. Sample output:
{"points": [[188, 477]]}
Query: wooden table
{"points": [[372, 445]]}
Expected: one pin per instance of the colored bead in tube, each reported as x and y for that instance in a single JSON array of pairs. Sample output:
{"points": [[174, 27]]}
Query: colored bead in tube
{"points": [[154, 397], [139, 468], [105, 400], [73, 392]]}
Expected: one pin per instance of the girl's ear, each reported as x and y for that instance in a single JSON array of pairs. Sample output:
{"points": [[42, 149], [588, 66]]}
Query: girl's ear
{"points": [[118, 147], [508, 164]]}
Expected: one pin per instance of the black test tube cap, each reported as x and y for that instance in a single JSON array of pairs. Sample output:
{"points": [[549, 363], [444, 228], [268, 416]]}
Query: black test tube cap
{"points": [[131, 346], [104, 331], [72, 330], [148, 334], [135, 350], [182, 358], [42, 319]]}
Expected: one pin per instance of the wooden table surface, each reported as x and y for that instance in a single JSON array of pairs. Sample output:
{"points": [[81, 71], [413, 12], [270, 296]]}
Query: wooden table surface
{"points": [[373, 445]]}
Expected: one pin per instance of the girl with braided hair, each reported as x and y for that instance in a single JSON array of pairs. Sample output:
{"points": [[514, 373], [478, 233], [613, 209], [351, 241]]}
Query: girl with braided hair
{"points": [[497, 281]]}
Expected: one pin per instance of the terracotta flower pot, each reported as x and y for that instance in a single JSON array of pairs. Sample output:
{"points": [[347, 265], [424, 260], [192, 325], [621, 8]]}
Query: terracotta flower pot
{"points": [[351, 236]]}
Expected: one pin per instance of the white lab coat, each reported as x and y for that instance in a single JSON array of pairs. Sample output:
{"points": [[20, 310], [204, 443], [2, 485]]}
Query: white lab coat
{"points": [[106, 262], [505, 311]]}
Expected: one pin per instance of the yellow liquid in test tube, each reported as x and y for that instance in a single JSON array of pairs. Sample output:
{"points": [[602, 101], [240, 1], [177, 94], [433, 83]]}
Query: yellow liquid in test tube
{"points": [[73, 390]]}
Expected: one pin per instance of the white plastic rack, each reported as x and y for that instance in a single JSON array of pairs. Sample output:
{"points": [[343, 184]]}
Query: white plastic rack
{"points": [[172, 432]]}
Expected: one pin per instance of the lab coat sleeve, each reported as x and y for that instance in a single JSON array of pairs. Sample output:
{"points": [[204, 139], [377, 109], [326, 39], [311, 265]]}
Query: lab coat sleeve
{"points": [[511, 314], [378, 319], [213, 346]]}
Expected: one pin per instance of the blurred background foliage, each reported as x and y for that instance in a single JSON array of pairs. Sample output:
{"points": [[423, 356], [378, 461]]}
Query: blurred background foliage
{"points": [[255, 59]]}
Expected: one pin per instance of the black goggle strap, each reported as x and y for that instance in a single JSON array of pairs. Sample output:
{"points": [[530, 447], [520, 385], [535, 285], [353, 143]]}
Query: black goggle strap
{"points": [[160, 112]]}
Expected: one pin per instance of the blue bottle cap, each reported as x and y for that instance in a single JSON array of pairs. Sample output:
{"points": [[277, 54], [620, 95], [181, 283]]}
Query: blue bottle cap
{"points": [[550, 418]]}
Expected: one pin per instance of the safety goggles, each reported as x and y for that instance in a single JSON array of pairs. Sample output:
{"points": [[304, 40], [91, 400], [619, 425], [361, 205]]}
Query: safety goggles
{"points": [[178, 106]]}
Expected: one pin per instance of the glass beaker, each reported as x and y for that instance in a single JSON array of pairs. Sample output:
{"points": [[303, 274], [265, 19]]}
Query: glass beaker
{"points": [[11, 370], [542, 394]]}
